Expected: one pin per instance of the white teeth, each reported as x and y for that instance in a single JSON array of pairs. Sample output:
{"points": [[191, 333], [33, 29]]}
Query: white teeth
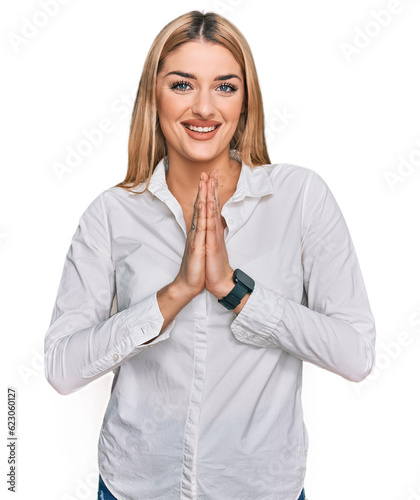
{"points": [[200, 129]]}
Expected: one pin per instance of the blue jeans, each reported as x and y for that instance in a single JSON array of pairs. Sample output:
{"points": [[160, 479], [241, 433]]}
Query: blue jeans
{"points": [[105, 494], [103, 491], [302, 495]]}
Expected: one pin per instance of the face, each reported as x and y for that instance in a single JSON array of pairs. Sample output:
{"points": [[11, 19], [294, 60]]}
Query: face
{"points": [[200, 95]]}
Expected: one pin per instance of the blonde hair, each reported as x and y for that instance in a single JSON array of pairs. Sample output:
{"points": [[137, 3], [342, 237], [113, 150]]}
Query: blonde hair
{"points": [[147, 144]]}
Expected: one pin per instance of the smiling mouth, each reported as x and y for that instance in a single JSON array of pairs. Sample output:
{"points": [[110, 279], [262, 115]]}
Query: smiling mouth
{"points": [[201, 130]]}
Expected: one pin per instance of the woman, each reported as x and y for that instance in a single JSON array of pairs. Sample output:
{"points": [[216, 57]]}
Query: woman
{"points": [[228, 272]]}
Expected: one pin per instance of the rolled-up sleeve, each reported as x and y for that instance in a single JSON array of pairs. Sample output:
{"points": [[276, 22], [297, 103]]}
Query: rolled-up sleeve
{"points": [[83, 342], [333, 327]]}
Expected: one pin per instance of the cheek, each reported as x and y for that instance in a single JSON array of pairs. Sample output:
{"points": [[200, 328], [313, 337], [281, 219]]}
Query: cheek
{"points": [[169, 110], [164, 113], [167, 129], [233, 112]]}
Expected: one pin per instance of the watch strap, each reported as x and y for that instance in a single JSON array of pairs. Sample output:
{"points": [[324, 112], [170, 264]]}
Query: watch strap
{"points": [[233, 299]]}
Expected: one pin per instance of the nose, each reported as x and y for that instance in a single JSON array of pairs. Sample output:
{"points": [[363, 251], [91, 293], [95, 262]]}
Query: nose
{"points": [[203, 104]]}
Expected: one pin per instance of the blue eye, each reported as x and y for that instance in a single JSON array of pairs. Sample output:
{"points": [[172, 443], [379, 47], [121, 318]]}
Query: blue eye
{"points": [[231, 86], [182, 86], [178, 85]]}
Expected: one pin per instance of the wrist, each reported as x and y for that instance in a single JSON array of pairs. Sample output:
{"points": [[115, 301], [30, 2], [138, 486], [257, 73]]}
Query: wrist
{"points": [[180, 291], [243, 287], [224, 287], [240, 306]]}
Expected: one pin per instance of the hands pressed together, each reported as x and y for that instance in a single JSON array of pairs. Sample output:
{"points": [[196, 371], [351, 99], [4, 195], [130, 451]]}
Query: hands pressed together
{"points": [[205, 263]]}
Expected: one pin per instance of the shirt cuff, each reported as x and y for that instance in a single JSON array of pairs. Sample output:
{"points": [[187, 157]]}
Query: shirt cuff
{"points": [[258, 318], [143, 323], [144, 331]]}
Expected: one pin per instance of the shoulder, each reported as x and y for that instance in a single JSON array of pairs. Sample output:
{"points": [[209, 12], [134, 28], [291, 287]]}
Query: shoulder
{"points": [[293, 177], [115, 198], [105, 212], [104, 206]]}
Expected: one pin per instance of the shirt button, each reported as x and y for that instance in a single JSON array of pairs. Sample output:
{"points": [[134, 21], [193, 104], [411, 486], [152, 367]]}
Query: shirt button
{"points": [[115, 357], [231, 222]]}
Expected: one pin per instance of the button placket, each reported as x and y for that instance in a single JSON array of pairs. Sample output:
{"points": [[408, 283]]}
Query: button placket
{"points": [[189, 480]]}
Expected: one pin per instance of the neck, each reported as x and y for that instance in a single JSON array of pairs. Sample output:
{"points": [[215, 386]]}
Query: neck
{"points": [[183, 174]]}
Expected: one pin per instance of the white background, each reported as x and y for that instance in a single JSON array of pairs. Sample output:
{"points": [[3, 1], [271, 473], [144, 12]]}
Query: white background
{"points": [[351, 118]]}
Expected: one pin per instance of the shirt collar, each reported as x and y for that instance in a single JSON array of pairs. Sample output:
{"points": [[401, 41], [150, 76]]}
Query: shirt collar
{"points": [[253, 182], [158, 180]]}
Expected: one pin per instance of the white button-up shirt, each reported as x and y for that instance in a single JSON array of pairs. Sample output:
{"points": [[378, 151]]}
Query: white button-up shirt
{"points": [[211, 408]]}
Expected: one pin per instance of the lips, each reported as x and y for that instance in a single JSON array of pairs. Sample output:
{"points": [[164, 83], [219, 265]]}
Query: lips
{"points": [[201, 126], [201, 130]]}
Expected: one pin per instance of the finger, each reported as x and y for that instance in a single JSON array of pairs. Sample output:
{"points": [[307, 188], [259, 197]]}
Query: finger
{"points": [[216, 192], [201, 198], [192, 270], [204, 177], [195, 211], [212, 196], [196, 240], [203, 187], [202, 203], [199, 232], [214, 188], [211, 225]]}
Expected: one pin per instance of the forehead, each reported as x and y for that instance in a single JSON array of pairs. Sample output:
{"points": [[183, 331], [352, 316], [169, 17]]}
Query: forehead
{"points": [[201, 58]]}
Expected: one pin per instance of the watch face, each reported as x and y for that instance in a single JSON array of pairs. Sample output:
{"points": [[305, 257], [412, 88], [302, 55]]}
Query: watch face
{"points": [[244, 279]]}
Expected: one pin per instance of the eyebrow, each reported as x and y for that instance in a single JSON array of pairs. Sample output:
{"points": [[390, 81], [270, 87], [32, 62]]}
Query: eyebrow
{"points": [[193, 77]]}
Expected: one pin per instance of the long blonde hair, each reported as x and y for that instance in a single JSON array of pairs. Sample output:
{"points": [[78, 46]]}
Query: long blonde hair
{"points": [[147, 144]]}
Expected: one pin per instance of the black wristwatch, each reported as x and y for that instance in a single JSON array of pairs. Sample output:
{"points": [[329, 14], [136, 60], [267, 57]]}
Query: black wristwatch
{"points": [[243, 285]]}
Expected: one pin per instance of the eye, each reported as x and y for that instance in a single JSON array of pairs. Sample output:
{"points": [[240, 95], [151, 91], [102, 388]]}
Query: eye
{"points": [[181, 86], [228, 88]]}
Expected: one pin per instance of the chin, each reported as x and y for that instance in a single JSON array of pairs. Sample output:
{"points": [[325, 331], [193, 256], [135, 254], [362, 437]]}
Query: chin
{"points": [[201, 156]]}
